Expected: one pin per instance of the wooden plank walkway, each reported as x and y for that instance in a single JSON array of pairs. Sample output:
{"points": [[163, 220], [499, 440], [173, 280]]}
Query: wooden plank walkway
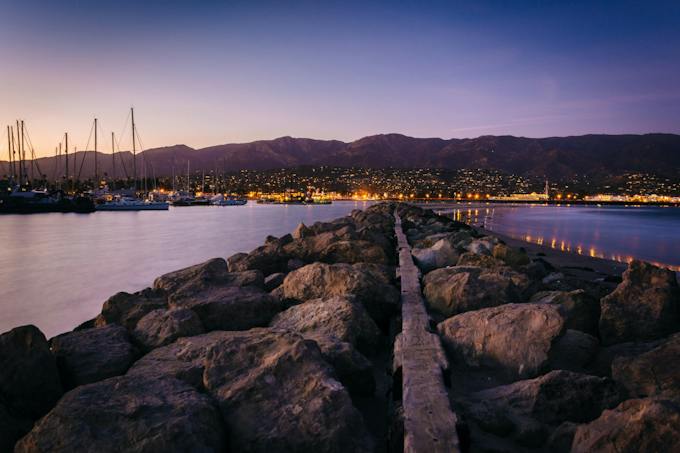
{"points": [[429, 422]]}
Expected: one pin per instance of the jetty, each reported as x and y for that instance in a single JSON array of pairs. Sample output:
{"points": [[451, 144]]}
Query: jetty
{"points": [[392, 329]]}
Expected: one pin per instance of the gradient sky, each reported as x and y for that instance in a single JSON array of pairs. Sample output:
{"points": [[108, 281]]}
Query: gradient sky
{"points": [[205, 73]]}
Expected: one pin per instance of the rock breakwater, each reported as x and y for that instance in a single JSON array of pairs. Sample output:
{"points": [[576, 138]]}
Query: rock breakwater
{"points": [[298, 346]]}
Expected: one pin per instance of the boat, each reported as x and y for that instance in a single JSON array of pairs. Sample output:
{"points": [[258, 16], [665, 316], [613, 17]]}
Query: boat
{"points": [[221, 200], [41, 201], [200, 201], [133, 204]]}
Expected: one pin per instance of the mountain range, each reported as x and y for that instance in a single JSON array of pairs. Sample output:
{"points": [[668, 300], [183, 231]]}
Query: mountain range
{"points": [[554, 157]]}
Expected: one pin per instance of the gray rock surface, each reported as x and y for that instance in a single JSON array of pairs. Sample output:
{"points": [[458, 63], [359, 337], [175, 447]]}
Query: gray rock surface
{"points": [[644, 306], [161, 327], [91, 355], [513, 340], [129, 414]]}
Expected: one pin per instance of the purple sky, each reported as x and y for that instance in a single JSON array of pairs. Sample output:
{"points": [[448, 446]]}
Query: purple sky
{"points": [[205, 73]]}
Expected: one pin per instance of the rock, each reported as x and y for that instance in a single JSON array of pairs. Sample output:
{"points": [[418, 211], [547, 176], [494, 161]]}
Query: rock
{"points": [[12, 428], [637, 425], [197, 275], [528, 410], [161, 327], [484, 261], [513, 340], [276, 393], [645, 306], [339, 317], [29, 381], [573, 351], [301, 231], [206, 275], [229, 307], [459, 289], [367, 283], [126, 309], [482, 246], [354, 370], [581, 311], [91, 355], [353, 252], [655, 372], [184, 359], [294, 264], [273, 281], [237, 261], [129, 414], [441, 254], [268, 259], [601, 365], [561, 438], [513, 257]]}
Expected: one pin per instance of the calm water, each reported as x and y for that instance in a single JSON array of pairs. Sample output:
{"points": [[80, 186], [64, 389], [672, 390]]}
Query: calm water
{"points": [[56, 270], [614, 232]]}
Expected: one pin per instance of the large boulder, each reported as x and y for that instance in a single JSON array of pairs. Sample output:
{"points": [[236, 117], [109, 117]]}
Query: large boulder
{"points": [[511, 256], [458, 289], [354, 252], [229, 307], [301, 231], [514, 340], [126, 309], [581, 311], [441, 254], [366, 282], [129, 414], [29, 382], [206, 275], [351, 367], [655, 372], [529, 410], [637, 425], [268, 259], [184, 359], [90, 355], [276, 393], [12, 428], [161, 327], [644, 306], [339, 317]]}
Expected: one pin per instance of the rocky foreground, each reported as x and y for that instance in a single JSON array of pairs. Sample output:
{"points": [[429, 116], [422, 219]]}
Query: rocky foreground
{"points": [[290, 348]]}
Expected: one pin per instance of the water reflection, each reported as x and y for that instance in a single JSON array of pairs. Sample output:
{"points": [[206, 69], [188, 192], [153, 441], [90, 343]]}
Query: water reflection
{"points": [[615, 233]]}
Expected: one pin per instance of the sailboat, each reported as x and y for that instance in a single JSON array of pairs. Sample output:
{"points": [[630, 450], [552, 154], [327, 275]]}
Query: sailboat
{"points": [[126, 203]]}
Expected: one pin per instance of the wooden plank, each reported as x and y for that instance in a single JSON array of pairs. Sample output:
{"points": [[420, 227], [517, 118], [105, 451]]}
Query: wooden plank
{"points": [[429, 422]]}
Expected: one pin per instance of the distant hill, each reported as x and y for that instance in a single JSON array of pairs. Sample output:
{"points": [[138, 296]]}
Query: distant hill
{"points": [[554, 157]]}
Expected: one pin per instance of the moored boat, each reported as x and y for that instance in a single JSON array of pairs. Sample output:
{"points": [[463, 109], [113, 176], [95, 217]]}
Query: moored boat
{"points": [[133, 204]]}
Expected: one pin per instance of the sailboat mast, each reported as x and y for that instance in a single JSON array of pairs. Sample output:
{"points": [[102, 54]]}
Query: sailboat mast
{"points": [[9, 153], [23, 151], [66, 157], [113, 157], [96, 170], [21, 162], [134, 148], [14, 152]]}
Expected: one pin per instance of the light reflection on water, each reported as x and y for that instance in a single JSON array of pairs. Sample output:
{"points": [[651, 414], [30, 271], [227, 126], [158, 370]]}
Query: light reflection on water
{"points": [[56, 270], [619, 233]]}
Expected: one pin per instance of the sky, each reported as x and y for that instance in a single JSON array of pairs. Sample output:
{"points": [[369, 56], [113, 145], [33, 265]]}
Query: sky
{"points": [[203, 73]]}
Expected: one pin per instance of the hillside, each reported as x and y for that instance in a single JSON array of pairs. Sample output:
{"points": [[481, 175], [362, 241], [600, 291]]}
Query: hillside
{"points": [[554, 157]]}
